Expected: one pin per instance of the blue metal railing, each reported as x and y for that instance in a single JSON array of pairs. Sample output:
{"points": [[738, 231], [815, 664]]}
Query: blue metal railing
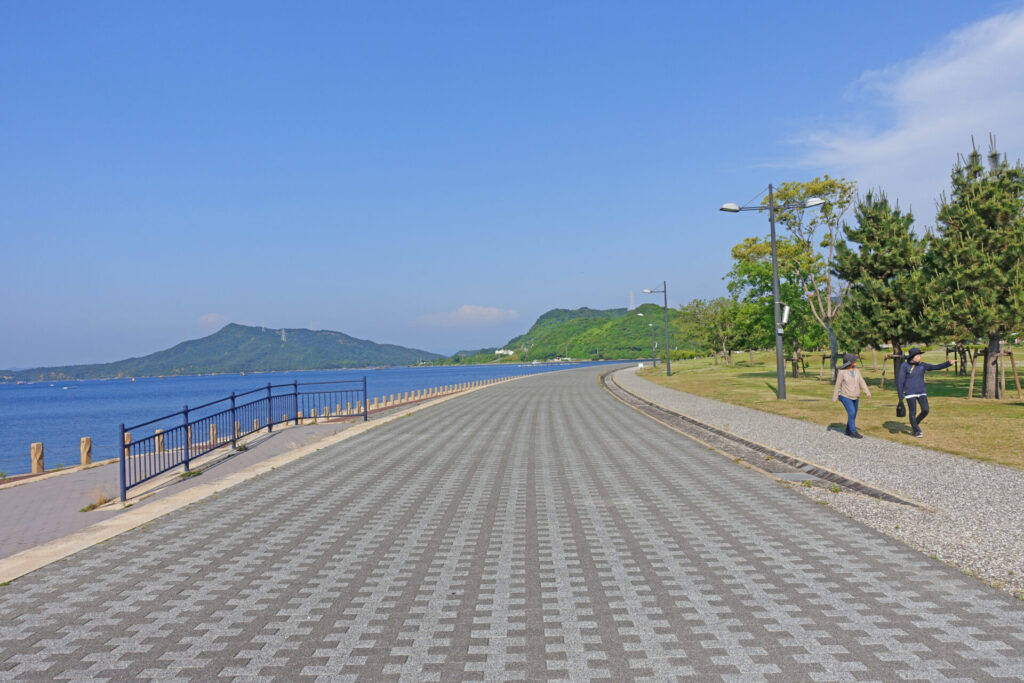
{"points": [[181, 437]]}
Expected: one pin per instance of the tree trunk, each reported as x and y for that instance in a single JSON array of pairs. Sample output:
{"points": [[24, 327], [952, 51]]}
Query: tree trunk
{"points": [[714, 354], [796, 363], [897, 359], [833, 347], [990, 381], [751, 351]]}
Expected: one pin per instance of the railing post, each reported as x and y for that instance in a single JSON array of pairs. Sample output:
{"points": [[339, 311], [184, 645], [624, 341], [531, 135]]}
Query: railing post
{"points": [[366, 402], [234, 422], [36, 455], [295, 401], [270, 415], [188, 437], [124, 449], [85, 450]]}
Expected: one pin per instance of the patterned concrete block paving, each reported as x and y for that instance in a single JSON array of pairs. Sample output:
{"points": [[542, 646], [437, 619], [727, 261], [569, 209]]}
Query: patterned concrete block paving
{"points": [[539, 530]]}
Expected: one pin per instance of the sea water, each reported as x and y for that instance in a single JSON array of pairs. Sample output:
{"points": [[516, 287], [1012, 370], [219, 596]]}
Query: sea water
{"points": [[59, 413]]}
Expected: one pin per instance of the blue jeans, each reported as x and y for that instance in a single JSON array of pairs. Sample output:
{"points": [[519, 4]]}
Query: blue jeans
{"points": [[851, 413]]}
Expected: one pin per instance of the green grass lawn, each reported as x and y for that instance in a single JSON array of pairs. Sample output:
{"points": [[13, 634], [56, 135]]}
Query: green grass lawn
{"points": [[988, 430]]}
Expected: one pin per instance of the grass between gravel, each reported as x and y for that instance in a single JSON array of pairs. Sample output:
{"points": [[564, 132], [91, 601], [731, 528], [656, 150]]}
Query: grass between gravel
{"points": [[987, 430]]}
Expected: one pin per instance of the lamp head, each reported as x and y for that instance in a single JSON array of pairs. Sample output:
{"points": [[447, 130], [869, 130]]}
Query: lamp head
{"points": [[813, 201], [730, 207], [647, 291]]}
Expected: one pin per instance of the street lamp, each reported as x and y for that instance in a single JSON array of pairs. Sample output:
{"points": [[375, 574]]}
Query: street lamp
{"points": [[780, 361], [668, 349], [654, 358]]}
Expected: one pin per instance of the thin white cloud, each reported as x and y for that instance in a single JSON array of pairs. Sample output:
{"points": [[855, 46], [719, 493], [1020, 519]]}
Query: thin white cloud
{"points": [[970, 84], [469, 316], [212, 320]]}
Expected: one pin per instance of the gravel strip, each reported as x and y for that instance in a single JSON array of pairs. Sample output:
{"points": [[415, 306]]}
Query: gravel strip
{"points": [[976, 523]]}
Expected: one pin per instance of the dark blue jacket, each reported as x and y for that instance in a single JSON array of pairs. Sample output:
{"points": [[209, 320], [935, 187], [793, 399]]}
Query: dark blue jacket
{"points": [[910, 379]]}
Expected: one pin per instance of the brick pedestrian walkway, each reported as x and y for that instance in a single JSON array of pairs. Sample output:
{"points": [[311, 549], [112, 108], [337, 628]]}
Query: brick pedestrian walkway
{"points": [[536, 530]]}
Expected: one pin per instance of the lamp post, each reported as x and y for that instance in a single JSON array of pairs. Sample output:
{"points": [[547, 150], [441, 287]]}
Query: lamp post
{"points": [[668, 349], [654, 358], [780, 359]]}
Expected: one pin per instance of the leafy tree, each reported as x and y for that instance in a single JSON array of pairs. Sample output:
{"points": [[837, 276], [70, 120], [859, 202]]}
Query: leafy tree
{"points": [[712, 323], [821, 231], [750, 282], [883, 302], [977, 260]]}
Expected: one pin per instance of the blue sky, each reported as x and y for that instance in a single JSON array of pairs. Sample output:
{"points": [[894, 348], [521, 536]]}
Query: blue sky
{"points": [[437, 175]]}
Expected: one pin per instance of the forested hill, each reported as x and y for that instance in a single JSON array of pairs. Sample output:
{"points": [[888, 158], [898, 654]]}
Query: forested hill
{"points": [[238, 348], [590, 333]]}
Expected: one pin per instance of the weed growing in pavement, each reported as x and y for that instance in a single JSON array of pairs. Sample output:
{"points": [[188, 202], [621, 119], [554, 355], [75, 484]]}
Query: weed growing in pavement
{"points": [[2, 475], [190, 474], [737, 459], [834, 488], [242, 447], [807, 483], [99, 497], [768, 457], [821, 502]]}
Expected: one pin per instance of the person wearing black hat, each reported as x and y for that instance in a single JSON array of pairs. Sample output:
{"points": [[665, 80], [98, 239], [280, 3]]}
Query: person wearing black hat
{"points": [[910, 386], [849, 384]]}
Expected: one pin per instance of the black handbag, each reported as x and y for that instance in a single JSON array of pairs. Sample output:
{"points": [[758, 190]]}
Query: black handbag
{"points": [[901, 410]]}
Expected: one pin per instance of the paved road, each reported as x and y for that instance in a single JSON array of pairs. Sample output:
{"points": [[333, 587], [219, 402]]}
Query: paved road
{"points": [[535, 530]]}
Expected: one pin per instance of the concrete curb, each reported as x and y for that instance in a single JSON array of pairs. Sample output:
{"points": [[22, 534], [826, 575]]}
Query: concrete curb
{"points": [[852, 484]]}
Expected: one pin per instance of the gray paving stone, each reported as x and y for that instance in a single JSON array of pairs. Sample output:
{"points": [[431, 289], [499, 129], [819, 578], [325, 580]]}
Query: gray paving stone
{"points": [[538, 530]]}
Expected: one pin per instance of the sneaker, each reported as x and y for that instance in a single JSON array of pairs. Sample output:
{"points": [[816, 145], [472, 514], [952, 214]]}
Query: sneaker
{"points": [[919, 434], [856, 435]]}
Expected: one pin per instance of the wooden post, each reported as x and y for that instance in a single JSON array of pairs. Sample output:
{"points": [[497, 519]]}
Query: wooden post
{"points": [[213, 434], [1002, 369], [36, 453], [337, 409], [85, 450], [238, 429], [974, 367], [1016, 379], [348, 407], [159, 441], [298, 415], [255, 424]]}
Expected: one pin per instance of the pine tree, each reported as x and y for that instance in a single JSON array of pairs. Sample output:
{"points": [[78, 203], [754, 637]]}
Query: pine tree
{"points": [[977, 261], [883, 302]]}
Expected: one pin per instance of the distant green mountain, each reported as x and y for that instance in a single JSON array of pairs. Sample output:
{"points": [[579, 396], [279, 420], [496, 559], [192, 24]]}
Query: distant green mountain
{"points": [[590, 333], [237, 348]]}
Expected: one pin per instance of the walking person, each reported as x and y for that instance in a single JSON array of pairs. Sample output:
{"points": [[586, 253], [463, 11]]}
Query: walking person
{"points": [[849, 384], [910, 386]]}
